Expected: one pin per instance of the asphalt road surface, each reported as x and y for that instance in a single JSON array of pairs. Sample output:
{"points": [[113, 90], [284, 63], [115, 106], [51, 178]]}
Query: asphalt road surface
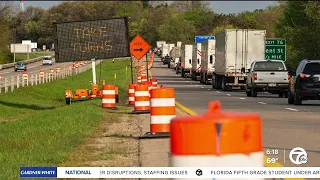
{"points": [[284, 126]]}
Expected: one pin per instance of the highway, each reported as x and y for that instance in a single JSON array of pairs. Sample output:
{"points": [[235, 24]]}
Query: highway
{"points": [[284, 126]]}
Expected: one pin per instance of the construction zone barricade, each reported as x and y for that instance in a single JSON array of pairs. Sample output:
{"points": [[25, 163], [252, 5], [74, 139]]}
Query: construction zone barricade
{"points": [[109, 97], [235, 139], [141, 100], [154, 83], [131, 94], [58, 69], [51, 71], [162, 111]]}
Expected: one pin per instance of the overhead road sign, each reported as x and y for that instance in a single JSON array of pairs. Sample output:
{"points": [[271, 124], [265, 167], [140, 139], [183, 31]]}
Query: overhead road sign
{"points": [[139, 47], [94, 39], [276, 49], [200, 39]]}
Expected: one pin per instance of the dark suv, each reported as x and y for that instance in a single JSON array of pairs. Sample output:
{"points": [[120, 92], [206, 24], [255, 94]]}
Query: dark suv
{"points": [[305, 82]]}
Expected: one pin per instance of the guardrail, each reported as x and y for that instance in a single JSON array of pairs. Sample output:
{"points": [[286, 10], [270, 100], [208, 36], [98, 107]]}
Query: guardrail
{"points": [[10, 65], [9, 84]]}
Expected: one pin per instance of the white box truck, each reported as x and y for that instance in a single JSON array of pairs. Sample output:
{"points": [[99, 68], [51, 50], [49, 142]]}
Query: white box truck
{"points": [[236, 50], [186, 60], [165, 52], [196, 60], [160, 43], [175, 54], [207, 61]]}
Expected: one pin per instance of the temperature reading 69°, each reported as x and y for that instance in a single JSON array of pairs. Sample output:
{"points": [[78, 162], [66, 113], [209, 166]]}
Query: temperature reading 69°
{"points": [[272, 160]]}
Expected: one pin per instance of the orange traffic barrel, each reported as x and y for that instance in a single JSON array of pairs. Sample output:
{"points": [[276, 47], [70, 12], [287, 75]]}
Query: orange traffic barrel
{"points": [[131, 94], [144, 78], [109, 97], [25, 75], [51, 71], [58, 69], [235, 139], [154, 83], [117, 94], [141, 99], [139, 79], [41, 73]]}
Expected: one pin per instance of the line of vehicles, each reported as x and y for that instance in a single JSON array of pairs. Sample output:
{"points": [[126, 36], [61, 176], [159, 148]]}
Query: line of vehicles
{"points": [[236, 59], [20, 65]]}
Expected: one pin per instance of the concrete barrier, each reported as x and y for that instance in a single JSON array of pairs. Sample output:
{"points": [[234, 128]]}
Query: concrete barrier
{"points": [[10, 65]]}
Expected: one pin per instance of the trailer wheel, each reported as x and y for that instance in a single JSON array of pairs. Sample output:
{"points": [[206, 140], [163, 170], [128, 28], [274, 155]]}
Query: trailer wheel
{"points": [[254, 92], [223, 84]]}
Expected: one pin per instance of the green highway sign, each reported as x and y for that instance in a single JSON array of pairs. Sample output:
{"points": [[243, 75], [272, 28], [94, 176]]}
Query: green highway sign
{"points": [[275, 49]]}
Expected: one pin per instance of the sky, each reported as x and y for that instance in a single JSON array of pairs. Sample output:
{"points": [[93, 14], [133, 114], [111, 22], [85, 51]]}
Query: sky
{"points": [[217, 6]]}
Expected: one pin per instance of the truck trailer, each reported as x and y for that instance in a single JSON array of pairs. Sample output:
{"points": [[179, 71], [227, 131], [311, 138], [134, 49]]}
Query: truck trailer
{"points": [[236, 50], [165, 52], [160, 43], [186, 61], [207, 61], [196, 60]]}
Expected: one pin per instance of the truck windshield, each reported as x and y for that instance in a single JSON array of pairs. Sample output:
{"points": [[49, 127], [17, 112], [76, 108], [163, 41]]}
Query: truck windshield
{"points": [[47, 58], [312, 68], [269, 66]]}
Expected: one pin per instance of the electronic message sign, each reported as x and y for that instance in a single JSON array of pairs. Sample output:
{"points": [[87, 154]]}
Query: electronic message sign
{"points": [[95, 39]]}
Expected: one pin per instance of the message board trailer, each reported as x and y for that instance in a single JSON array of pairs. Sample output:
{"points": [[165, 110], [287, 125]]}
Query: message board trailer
{"points": [[93, 39]]}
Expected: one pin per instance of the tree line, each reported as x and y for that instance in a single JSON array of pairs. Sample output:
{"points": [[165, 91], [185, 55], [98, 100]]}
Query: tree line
{"points": [[297, 21]]}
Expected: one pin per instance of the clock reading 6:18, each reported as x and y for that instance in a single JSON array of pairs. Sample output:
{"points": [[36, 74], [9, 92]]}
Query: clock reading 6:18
{"points": [[272, 151]]}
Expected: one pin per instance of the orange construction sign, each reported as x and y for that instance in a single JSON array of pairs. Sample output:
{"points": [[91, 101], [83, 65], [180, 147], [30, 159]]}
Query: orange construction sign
{"points": [[139, 47]]}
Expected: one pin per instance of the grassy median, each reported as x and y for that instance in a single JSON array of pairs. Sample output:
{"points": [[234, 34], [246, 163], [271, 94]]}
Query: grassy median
{"points": [[37, 128]]}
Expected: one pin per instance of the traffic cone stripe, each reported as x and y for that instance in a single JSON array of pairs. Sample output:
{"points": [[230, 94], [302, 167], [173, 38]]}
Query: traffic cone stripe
{"points": [[163, 102], [131, 90], [131, 94], [141, 93], [108, 100]]}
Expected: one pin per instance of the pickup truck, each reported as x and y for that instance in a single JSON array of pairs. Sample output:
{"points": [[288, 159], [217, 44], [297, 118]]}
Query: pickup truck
{"points": [[265, 75]]}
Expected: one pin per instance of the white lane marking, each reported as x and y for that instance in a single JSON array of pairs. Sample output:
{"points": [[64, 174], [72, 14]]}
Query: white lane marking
{"points": [[197, 85], [242, 98], [202, 87], [187, 81], [217, 91], [291, 109], [262, 103], [228, 94]]}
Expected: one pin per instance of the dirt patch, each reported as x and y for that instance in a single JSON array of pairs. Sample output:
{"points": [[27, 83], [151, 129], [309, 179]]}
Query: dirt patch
{"points": [[113, 144]]}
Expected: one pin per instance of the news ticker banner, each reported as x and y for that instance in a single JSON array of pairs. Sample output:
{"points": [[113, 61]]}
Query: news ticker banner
{"points": [[169, 172]]}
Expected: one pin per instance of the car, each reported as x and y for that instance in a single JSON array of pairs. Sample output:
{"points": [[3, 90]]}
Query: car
{"points": [[47, 60], [20, 66], [267, 75], [304, 83]]}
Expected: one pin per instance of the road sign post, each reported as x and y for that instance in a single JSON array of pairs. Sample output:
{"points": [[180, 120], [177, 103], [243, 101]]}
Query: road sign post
{"points": [[138, 48], [275, 49]]}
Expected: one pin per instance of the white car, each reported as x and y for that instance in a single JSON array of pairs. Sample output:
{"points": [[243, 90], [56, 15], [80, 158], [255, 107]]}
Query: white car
{"points": [[47, 60]]}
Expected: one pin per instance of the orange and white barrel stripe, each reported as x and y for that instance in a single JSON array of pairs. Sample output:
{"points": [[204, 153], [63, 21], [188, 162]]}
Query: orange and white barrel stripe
{"points": [[141, 98], [41, 73], [154, 83], [58, 69], [163, 109], [51, 71], [236, 140], [139, 79], [108, 96], [131, 94], [25, 75], [144, 78]]}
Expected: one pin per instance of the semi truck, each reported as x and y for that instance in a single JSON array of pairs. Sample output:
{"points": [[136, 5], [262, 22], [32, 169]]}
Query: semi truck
{"points": [[165, 51], [236, 50], [175, 54], [207, 61], [186, 61], [196, 60]]}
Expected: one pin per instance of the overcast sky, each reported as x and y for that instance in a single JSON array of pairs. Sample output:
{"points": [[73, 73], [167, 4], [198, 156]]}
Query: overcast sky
{"points": [[217, 6]]}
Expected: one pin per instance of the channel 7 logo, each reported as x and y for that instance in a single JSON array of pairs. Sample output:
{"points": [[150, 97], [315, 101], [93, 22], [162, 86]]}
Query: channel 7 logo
{"points": [[301, 156]]}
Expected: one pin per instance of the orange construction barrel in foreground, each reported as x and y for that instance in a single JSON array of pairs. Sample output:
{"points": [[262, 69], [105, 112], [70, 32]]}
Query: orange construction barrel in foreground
{"points": [[162, 110], [109, 97], [217, 139]]}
